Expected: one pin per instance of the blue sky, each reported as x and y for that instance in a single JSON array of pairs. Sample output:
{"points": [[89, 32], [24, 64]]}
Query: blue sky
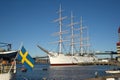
{"points": [[31, 22]]}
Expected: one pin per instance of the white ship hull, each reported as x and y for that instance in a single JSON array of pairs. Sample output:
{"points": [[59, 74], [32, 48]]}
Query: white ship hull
{"points": [[62, 59], [56, 59], [5, 76]]}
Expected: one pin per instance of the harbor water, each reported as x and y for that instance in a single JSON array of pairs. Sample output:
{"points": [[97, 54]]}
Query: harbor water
{"points": [[46, 72]]}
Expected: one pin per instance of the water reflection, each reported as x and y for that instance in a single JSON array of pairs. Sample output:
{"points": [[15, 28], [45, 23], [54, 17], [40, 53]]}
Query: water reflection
{"points": [[61, 73]]}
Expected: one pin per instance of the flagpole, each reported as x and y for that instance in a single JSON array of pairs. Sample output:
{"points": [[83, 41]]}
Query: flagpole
{"points": [[15, 57]]}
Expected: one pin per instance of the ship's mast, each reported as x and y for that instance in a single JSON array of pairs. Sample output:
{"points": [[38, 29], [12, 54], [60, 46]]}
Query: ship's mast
{"points": [[72, 34], [84, 43], [81, 37], [60, 23], [72, 23], [60, 19], [88, 43]]}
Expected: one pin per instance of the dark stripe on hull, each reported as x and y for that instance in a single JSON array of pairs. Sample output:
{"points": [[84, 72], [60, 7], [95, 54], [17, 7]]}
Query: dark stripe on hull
{"points": [[63, 64]]}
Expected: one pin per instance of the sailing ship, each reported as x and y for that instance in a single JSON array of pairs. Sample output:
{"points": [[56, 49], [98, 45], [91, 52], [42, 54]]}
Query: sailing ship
{"points": [[7, 62], [73, 57]]}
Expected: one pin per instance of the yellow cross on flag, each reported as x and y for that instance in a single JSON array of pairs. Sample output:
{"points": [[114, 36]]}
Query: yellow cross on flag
{"points": [[25, 58]]}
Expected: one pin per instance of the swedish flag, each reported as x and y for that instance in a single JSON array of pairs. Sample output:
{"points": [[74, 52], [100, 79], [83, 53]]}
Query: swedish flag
{"points": [[25, 58]]}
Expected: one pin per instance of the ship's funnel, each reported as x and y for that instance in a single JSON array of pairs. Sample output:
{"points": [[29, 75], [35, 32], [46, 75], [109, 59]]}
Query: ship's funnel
{"points": [[46, 51]]}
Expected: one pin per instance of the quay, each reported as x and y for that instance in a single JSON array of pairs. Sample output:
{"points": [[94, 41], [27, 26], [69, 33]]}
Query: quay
{"points": [[111, 62]]}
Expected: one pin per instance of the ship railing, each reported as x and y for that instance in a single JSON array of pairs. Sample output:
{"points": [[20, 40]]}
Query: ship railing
{"points": [[4, 68]]}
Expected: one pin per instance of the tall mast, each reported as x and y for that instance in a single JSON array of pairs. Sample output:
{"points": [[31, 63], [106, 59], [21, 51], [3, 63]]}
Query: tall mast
{"points": [[81, 37], [72, 33], [60, 19], [84, 41], [60, 24]]}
